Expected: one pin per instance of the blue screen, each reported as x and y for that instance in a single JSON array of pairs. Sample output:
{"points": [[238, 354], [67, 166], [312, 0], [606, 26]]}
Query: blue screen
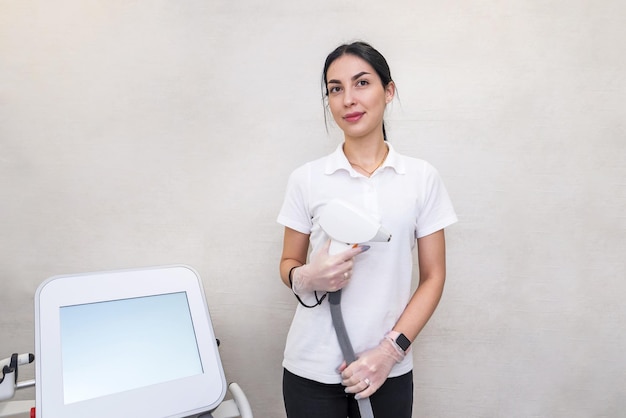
{"points": [[115, 346]]}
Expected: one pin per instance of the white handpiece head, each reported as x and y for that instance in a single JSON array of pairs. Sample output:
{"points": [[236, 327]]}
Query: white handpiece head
{"points": [[346, 224]]}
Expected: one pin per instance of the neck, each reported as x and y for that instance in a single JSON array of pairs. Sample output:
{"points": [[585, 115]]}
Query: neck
{"points": [[366, 156]]}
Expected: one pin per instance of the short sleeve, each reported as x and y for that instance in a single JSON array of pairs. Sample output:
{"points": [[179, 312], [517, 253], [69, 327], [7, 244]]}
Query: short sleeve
{"points": [[435, 211], [295, 213]]}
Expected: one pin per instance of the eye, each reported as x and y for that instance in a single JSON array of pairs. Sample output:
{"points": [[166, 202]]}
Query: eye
{"points": [[362, 83], [334, 89]]}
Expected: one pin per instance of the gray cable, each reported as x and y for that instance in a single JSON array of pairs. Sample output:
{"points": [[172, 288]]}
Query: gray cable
{"points": [[334, 298]]}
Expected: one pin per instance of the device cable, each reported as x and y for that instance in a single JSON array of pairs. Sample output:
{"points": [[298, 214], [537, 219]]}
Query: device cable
{"points": [[334, 299]]}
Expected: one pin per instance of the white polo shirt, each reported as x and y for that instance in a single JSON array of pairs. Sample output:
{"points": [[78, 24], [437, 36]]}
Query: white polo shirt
{"points": [[409, 198]]}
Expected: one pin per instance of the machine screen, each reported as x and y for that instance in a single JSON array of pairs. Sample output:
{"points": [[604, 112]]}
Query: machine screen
{"points": [[115, 346]]}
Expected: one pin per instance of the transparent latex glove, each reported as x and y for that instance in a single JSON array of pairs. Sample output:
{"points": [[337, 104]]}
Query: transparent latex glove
{"points": [[370, 370], [324, 271]]}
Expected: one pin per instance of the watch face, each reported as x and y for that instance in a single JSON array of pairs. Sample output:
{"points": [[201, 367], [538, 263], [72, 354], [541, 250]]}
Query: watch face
{"points": [[403, 342]]}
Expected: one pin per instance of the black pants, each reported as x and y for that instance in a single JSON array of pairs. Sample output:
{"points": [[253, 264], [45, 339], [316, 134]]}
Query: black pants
{"points": [[306, 398]]}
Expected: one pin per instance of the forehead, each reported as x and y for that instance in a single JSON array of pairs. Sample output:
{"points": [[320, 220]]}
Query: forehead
{"points": [[347, 66]]}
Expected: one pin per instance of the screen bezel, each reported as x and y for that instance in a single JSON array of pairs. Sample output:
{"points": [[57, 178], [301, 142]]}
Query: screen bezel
{"points": [[178, 398]]}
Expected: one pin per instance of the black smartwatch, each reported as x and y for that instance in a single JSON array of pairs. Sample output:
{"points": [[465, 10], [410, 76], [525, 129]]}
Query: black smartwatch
{"points": [[403, 342]]}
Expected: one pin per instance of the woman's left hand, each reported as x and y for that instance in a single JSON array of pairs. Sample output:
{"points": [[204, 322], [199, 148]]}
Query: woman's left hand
{"points": [[370, 370]]}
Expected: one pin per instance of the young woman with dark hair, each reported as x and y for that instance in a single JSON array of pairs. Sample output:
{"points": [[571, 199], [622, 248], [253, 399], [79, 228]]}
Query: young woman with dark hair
{"points": [[381, 315]]}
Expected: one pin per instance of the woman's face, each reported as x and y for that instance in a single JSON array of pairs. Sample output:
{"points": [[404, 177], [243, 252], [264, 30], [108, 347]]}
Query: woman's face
{"points": [[356, 96]]}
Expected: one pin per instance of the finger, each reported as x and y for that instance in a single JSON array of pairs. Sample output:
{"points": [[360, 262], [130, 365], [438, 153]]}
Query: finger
{"points": [[364, 247], [352, 389], [353, 252], [359, 387], [353, 385], [349, 382], [343, 268], [367, 392], [339, 283], [348, 370], [349, 253], [345, 375], [342, 367]]}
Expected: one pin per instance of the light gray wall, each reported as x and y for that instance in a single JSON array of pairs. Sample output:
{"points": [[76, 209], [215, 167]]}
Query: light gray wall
{"points": [[143, 133]]}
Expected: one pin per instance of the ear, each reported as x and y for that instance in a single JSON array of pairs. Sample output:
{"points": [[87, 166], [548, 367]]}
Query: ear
{"points": [[390, 92]]}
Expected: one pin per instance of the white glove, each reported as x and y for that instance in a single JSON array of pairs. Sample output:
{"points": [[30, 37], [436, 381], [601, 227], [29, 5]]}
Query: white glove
{"points": [[325, 272], [370, 370]]}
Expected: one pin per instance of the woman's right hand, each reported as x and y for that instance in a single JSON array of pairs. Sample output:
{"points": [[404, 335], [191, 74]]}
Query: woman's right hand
{"points": [[326, 272]]}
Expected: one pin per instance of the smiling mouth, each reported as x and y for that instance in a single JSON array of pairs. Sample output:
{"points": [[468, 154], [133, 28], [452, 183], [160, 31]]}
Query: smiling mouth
{"points": [[353, 117]]}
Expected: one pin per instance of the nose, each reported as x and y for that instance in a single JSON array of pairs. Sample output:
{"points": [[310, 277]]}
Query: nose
{"points": [[348, 97]]}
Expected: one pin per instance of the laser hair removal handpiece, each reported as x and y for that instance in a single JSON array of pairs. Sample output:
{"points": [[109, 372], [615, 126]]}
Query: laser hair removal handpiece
{"points": [[347, 225]]}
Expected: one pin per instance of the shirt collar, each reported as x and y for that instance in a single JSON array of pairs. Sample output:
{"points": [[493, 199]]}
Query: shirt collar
{"points": [[338, 161]]}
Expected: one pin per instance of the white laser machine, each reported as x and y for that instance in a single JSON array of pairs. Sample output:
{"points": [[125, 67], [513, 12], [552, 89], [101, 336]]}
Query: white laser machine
{"points": [[126, 343]]}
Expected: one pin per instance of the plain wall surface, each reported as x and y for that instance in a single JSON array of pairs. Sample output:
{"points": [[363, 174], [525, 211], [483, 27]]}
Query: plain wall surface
{"points": [[148, 133]]}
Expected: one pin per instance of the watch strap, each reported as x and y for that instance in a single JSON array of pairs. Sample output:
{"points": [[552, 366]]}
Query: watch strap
{"points": [[400, 340]]}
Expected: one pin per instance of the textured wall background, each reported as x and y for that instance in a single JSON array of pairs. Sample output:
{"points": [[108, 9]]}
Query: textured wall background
{"points": [[146, 133]]}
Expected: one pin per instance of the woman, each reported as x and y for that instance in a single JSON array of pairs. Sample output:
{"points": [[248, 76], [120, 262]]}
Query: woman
{"points": [[381, 316]]}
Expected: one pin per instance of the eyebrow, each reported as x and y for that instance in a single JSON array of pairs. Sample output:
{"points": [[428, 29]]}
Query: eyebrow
{"points": [[354, 77]]}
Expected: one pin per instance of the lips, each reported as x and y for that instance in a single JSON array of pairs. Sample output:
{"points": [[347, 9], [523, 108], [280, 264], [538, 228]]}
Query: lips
{"points": [[354, 116]]}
